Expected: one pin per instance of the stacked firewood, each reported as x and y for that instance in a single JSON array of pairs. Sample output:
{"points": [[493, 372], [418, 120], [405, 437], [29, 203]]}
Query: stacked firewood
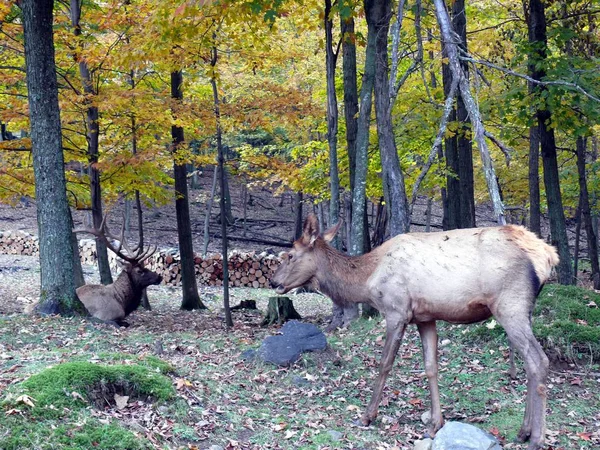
{"points": [[245, 269], [18, 243]]}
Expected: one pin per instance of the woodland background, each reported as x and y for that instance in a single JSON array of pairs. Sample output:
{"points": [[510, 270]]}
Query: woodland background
{"points": [[477, 112]]}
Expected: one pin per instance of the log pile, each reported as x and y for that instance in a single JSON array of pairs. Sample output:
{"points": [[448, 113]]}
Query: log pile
{"points": [[18, 243], [245, 269]]}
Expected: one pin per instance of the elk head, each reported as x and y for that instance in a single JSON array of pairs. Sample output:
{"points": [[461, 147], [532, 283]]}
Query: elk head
{"points": [[299, 266], [140, 276]]}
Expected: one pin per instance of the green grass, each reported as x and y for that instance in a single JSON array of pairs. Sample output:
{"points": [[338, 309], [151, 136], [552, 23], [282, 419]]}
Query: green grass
{"points": [[68, 436]]}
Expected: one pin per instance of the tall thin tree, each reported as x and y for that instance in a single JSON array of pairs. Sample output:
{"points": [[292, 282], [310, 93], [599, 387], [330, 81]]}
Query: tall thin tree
{"points": [[93, 145], [57, 293], [191, 298], [536, 24], [332, 119], [223, 174]]}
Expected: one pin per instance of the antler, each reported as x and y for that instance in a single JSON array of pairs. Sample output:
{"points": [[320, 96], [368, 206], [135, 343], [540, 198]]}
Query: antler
{"points": [[138, 255]]}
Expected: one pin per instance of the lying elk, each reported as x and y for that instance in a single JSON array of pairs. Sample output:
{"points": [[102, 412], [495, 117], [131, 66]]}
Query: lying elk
{"points": [[460, 276], [116, 301]]}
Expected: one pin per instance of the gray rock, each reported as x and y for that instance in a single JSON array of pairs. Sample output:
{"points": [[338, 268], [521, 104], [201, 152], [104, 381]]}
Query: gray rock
{"points": [[296, 338], [423, 444], [215, 447], [462, 436], [335, 435]]}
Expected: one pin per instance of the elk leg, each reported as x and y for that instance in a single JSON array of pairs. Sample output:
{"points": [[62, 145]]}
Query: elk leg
{"points": [[429, 341], [521, 336], [512, 371], [393, 338]]}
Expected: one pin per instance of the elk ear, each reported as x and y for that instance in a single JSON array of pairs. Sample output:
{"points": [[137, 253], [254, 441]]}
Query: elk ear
{"points": [[330, 233], [311, 229]]}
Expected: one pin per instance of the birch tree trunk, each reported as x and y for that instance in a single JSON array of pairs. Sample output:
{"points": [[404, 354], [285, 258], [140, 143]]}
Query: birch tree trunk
{"points": [[450, 41]]}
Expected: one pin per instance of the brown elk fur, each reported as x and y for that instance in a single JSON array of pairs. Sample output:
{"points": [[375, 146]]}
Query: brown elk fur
{"points": [[119, 299], [459, 276]]}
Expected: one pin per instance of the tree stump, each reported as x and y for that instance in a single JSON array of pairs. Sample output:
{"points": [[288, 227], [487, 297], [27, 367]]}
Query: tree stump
{"points": [[280, 310]]}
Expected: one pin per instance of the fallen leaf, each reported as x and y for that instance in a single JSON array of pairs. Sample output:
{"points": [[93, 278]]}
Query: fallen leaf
{"points": [[121, 401], [25, 399]]}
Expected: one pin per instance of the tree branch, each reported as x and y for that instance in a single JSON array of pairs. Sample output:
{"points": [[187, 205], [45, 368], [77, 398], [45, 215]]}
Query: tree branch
{"points": [[438, 141], [506, 150], [566, 84]]}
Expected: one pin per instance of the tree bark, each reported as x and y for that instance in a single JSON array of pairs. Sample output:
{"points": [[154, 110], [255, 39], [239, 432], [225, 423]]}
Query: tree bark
{"points": [[279, 311], [584, 205], [378, 14], [460, 195], [211, 200], [465, 149], [223, 175], [534, 181], [452, 50], [332, 121], [297, 215], [93, 147], [57, 292], [191, 298], [536, 23]]}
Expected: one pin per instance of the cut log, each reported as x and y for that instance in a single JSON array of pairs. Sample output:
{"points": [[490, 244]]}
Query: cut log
{"points": [[280, 310]]}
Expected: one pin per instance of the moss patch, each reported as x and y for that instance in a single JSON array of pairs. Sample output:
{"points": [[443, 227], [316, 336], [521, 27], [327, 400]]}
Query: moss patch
{"points": [[72, 385]]}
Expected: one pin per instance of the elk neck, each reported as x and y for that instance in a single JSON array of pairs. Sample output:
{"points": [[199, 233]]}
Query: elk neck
{"points": [[341, 277], [125, 291]]}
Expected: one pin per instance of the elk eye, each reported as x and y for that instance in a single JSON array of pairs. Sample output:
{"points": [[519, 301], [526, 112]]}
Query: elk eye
{"points": [[290, 256]]}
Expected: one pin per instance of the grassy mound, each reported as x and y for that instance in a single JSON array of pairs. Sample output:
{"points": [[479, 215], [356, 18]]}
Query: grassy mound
{"points": [[75, 384], [49, 409]]}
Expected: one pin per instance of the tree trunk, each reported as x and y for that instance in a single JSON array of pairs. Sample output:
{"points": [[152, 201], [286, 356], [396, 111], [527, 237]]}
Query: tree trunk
{"points": [[584, 205], [378, 14], [211, 200], [460, 195], [577, 242], [57, 292], [297, 215], [279, 311], [332, 121], [465, 149], [452, 50], [536, 24], [93, 148], [534, 181], [191, 299], [223, 176]]}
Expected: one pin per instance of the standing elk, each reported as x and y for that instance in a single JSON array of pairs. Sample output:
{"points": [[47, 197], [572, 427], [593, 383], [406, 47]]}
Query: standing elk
{"points": [[116, 301], [460, 276]]}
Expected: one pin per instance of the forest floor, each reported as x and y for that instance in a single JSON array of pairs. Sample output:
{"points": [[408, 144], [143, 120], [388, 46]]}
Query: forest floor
{"points": [[224, 402]]}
